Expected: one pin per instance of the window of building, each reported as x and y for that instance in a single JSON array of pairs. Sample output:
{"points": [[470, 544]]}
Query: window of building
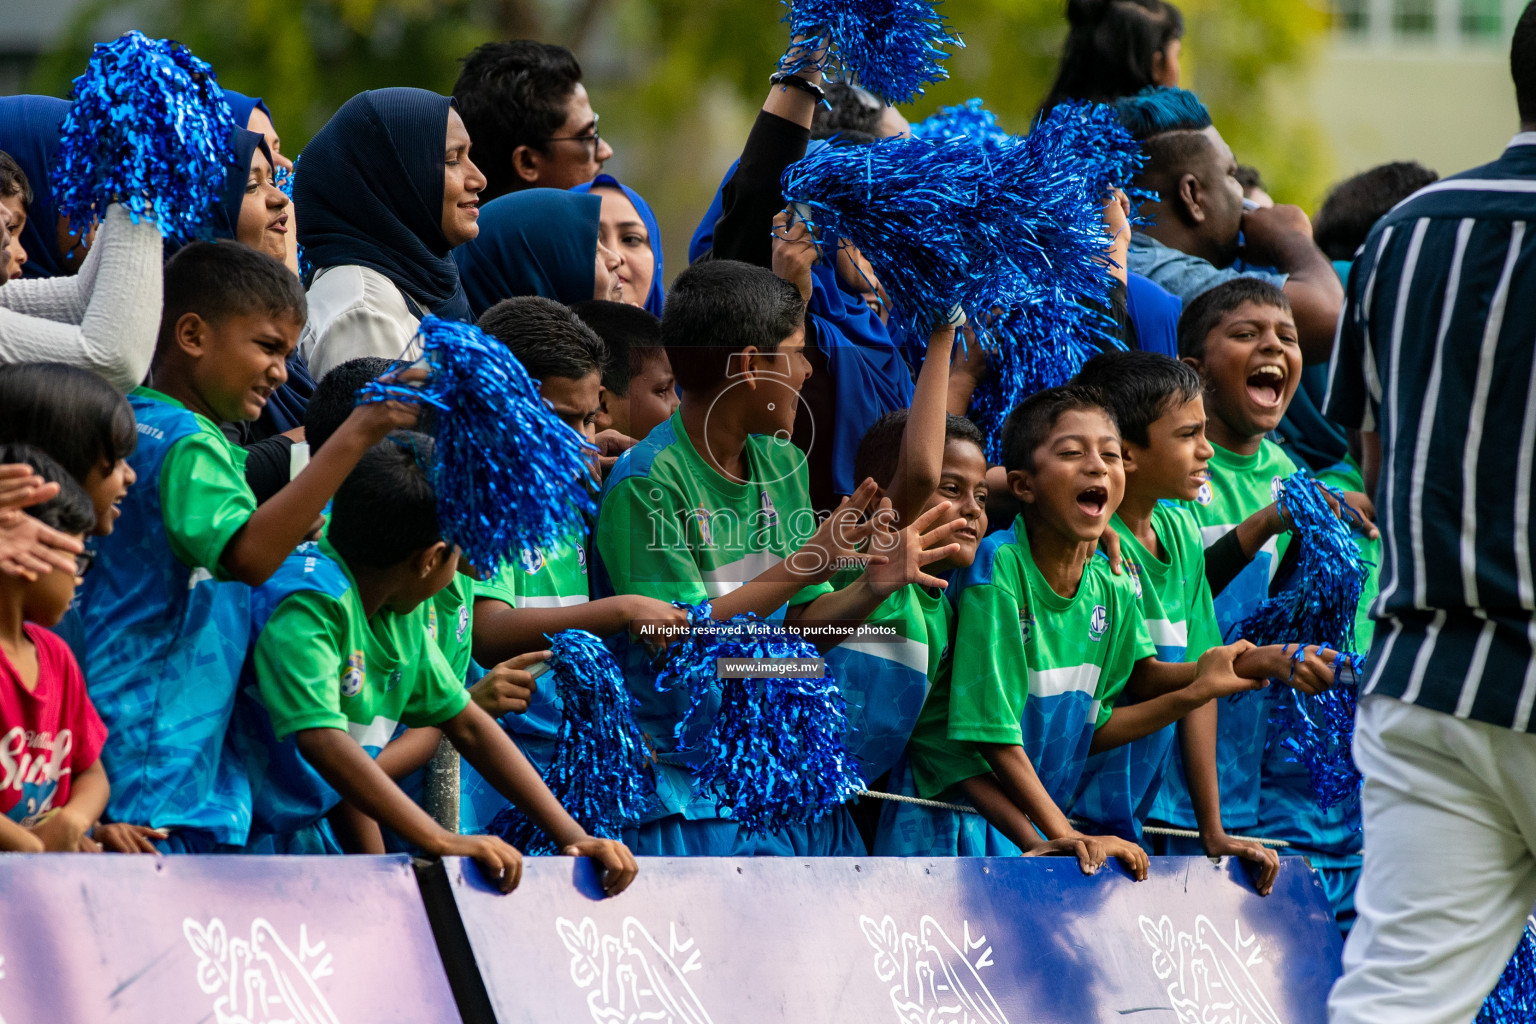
{"points": [[1413, 17], [1481, 19], [1352, 15]]}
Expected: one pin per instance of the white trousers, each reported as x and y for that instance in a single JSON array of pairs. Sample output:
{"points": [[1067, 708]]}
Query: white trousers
{"points": [[1449, 878]]}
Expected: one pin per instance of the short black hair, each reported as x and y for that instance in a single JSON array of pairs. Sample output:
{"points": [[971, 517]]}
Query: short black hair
{"points": [[513, 94], [719, 307], [386, 509], [70, 511], [1250, 178], [336, 396], [69, 412], [631, 334], [13, 181], [848, 109], [1355, 205], [1139, 388], [547, 338], [1205, 312], [880, 447], [1522, 64], [216, 280], [1031, 423]]}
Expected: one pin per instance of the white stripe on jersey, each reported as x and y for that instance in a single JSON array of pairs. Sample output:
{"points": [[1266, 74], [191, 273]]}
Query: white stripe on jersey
{"points": [[1168, 634], [375, 734], [911, 653], [1475, 670], [725, 578], [1053, 682], [549, 601], [1421, 658], [1393, 396]]}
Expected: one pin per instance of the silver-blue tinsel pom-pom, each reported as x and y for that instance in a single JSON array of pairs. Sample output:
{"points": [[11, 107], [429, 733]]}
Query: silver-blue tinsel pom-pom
{"points": [[893, 48]]}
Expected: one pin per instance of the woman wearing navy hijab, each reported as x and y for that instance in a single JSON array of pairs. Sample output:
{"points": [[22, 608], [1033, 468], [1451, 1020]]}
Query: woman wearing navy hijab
{"points": [[29, 131], [387, 190], [629, 228], [540, 241]]}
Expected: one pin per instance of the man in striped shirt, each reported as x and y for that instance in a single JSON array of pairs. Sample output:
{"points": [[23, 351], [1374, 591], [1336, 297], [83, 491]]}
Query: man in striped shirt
{"points": [[1437, 355]]}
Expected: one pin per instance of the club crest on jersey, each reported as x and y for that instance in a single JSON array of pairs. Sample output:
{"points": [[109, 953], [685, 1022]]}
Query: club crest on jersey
{"points": [[701, 516], [1026, 625], [532, 559], [432, 620], [1204, 495], [357, 672], [1098, 623], [462, 630], [1135, 571], [1276, 487], [770, 514], [394, 680], [581, 558]]}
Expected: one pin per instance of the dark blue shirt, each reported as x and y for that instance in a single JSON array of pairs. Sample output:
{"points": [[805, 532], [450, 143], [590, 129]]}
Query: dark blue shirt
{"points": [[1437, 353]]}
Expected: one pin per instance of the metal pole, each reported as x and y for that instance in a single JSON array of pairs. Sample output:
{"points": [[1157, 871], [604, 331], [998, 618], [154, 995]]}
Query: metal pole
{"points": [[441, 787]]}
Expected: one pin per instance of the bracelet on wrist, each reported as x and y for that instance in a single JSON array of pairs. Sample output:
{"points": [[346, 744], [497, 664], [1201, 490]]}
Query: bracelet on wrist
{"points": [[788, 79]]}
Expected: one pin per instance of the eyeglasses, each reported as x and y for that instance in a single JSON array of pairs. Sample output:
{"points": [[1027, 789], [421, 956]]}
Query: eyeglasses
{"points": [[594, 140], [83, 562]]}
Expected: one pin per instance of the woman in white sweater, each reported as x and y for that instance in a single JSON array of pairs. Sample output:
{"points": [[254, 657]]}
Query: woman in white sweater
{"points": [[384, 191], [104, 318]]}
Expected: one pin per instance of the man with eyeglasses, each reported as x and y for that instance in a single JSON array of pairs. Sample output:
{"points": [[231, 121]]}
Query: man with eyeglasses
{"points": [[529, 117]]}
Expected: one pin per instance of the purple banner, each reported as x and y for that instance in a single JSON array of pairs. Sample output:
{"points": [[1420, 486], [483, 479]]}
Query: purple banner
{"points": [[889, 941], [224, 940]]}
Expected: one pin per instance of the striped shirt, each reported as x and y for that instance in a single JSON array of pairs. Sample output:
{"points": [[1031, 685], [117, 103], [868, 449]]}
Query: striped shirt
{"points": [[1437, 353]]}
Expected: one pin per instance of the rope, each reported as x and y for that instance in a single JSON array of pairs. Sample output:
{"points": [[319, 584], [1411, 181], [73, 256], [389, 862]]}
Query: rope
{"points": [[1151, 830]]}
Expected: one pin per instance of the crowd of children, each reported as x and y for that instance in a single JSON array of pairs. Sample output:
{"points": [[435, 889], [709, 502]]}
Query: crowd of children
{"points": [[229, 621]]}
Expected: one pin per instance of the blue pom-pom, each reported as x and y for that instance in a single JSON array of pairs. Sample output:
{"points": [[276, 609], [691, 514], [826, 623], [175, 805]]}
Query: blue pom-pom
{"points": [[1317, 606], [970, 120], [1513, 999], [893, 48], [149, 128], [774, 750], [282, 177], [509, 474], [601, 773]]}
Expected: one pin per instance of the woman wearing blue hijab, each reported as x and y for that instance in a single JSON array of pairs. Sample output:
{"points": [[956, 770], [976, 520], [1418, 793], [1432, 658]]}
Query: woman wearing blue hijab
{"points": [[387, 190], [29, 131], [540, 241], [628, 227]]}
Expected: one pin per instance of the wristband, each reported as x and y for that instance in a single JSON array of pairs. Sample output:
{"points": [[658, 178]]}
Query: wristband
{"points": [[788, 79]]}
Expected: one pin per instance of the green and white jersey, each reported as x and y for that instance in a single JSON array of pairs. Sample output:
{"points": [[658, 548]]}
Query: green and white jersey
{"points": [[1030, 668], [1119, 787], [671, 527], [540, 578], [449, 615], [885, 670]]}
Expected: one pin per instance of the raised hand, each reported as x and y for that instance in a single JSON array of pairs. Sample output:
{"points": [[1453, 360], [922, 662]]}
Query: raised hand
{"points": [[909, 549]]}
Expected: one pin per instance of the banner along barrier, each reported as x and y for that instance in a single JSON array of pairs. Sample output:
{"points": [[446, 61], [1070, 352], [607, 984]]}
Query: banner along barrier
{"points": [[886, 941], [223, 940]]}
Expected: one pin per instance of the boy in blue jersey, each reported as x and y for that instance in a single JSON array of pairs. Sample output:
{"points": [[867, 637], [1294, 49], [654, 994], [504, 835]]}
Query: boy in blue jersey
{"points": [[1022, 708], [544, 591], [167, 609], [1242, 340], [713, 505], [345, 656], [1157, 404]]}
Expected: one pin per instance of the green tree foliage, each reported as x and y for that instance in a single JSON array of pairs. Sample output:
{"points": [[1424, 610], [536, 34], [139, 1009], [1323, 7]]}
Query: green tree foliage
{"points": [[677, 81]]}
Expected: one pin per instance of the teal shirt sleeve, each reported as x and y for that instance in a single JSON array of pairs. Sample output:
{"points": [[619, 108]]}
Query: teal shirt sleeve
{"points": [[205, 499], [298, 660]]}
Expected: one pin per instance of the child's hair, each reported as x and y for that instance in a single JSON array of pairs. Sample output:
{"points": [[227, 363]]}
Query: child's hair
{"points": [[336, 395], [1204, 313], [880, 447], [70, 511], [719, 307], [848, 109], [216, 280], [386, 510], [1355, 205], [1249, 178], [79, 419], [631, 334], [1110, 46], [1139, 388], [547, 338], [13, 181], [1031, 423]]}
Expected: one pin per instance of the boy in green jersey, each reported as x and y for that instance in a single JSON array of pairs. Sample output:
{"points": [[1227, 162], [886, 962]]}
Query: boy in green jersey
{"points": [[639, 391], [544, 591], [345, 653], [1157, 404], [713, 506], [1024, 706]]}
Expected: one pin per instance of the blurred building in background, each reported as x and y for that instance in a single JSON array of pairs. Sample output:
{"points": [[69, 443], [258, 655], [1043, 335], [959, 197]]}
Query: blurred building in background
{"points": [[1426, 80]]}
